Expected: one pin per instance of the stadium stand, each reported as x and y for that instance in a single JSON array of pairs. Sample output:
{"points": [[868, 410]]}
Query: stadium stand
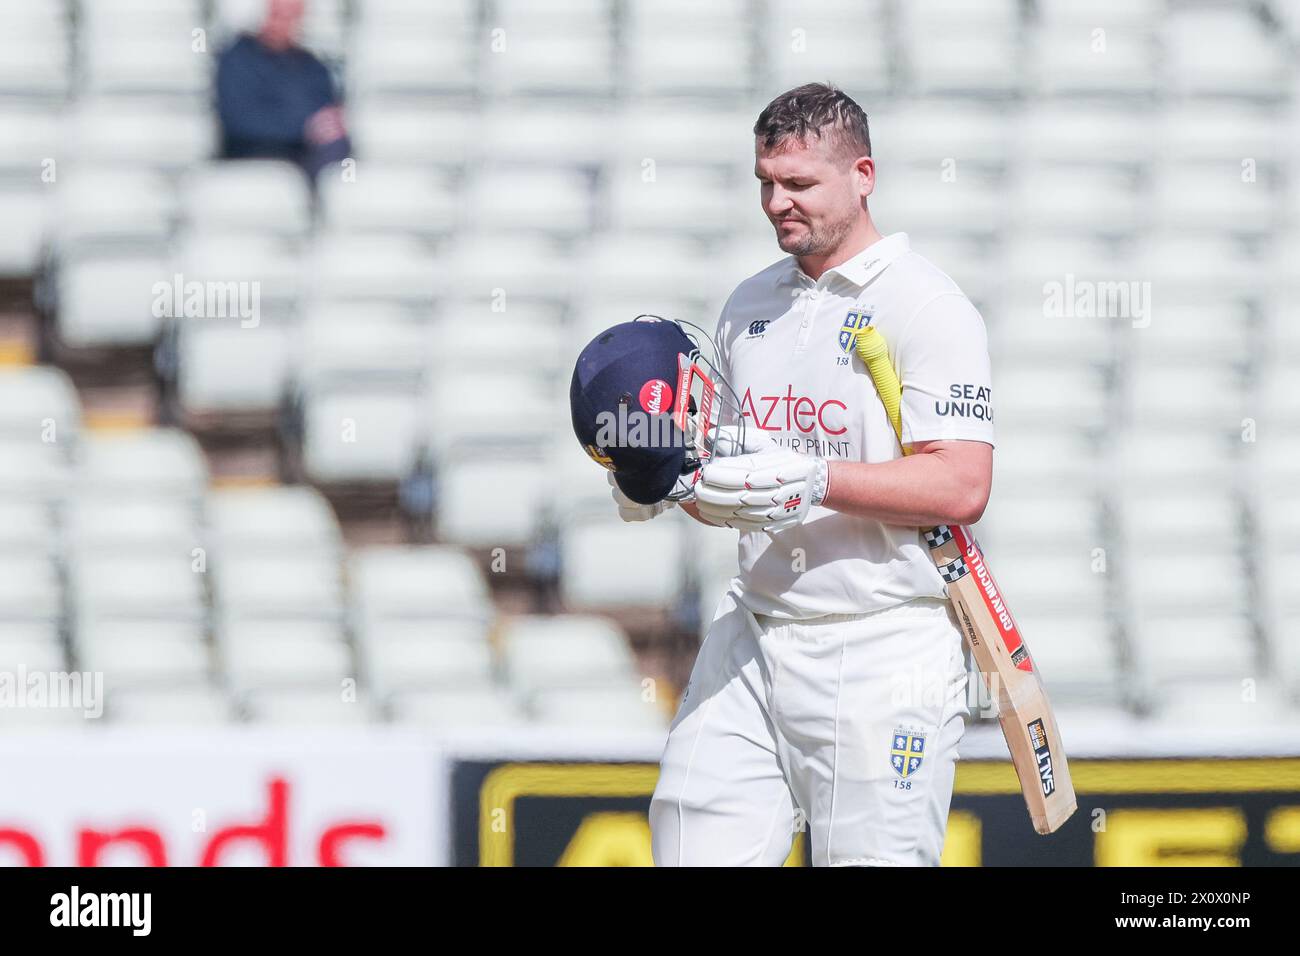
{"points": [[525, 178]]}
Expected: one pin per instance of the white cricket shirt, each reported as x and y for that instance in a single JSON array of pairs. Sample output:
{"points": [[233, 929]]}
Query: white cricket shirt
{"points": [[785, 345]]}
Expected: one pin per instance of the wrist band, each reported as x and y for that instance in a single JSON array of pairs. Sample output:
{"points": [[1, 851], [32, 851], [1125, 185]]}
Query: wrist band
{"points": [[821, 481]]}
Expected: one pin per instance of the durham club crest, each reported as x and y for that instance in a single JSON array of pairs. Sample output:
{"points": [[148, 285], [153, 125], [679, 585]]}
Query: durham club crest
{"points": [[856, 319], [907, 752]]}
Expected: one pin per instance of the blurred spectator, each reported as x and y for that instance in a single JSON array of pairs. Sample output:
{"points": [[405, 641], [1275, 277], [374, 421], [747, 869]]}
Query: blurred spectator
{"points": [[275, 99]]}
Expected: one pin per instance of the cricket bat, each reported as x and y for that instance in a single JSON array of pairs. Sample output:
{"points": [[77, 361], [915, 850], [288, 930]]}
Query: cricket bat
{"points": [[996, 644]]}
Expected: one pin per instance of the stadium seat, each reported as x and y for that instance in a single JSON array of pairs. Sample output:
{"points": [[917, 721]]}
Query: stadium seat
{"points": [[1086, 132], [565, 651], [492, 499], [390, 64], [674, 136], [30, 589], [1222, 52], [386, 268], [168, 707], [469, 335], [1206, 647], [284, 587], [357, 434], [1070, 200], [32, 655], [130, 64], [143, 653], [417, 582], [227, 370], [305, 707], [1160, 582], [429, 662], [122, 132], [555, 202], [288, 520], [677, 202], [471, 709], [279, 654], [550, 62], [1025, 523], [253, 196], [35, 53], [704, 62], [388, 131], [114, 300], [510, 268], [101, 523], [34, 398], [926, 134], [1095, 61], [117, 586], [250, 273], [26, 527], [390, 198], [1176, 459], [591, 580], [467, 407], [155, 462], [1189, 197], [622, 708], [1057, 576], [112, 205]]}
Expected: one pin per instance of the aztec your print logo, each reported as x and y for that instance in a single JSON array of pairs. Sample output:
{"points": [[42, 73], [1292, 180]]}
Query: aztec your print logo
{"points": [[856, 319], [907, 752]]}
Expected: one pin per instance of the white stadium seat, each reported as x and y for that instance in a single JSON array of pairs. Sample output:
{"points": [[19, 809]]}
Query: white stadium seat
{"points": [[492, 501], [305, 707], [551, 62], [285, 654], [376, 268], [32, 398], [115, 131], [155, 462], [253, 196], [387, 64], [29, 588], [168, 707], [112, 300], [112, 203], [227, 369], [390, 198], [291, 519], [677, 201], [565, 651], [417, 582], [386, 131], [552, 202], [306, 587], [429, 662], [705, 62], [586, 709], [116, 586], [592, 580], [365, 435], [476, 709], [143, 653], [144, 525]]}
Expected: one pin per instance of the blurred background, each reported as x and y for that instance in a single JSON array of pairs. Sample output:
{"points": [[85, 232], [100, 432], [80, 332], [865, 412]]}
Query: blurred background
{"points": [[289, 300]]}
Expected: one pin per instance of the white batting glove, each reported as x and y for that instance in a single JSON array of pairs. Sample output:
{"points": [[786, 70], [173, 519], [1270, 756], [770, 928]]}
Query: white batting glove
{"points": [[727, 441], [770, 490], [630, 510]]}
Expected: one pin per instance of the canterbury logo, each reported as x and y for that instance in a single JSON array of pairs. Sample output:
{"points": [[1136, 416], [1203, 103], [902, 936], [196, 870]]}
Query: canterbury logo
{"points": [[758, 328]]}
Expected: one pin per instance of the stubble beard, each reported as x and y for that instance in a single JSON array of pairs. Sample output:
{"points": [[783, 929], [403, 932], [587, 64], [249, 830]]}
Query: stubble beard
{"points": [[818, 241]]}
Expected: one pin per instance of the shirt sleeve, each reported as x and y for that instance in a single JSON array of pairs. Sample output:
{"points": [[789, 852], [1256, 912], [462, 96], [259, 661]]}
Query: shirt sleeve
{"points": [[943, 361]]}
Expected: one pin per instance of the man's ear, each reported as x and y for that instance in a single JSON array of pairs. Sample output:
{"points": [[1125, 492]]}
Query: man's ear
{"points": [[866, 170]]}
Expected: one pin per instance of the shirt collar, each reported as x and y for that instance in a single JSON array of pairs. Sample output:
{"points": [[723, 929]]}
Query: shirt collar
{"points": [[861, 268]]}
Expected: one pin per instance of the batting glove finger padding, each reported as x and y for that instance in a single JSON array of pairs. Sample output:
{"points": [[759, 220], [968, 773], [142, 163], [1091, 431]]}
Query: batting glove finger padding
{"points": [[768, 490], [630, 510]]}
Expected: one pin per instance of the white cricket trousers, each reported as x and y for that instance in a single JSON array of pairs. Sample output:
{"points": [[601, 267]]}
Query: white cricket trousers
{"points": [[849, 723]]}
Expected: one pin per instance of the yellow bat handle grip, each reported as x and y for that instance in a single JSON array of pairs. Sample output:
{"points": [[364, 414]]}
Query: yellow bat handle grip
{"points": [[874, 352]]}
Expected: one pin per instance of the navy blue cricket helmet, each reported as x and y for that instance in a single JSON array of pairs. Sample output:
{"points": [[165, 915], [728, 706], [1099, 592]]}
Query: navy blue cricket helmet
{"points": [[622, 398]]}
